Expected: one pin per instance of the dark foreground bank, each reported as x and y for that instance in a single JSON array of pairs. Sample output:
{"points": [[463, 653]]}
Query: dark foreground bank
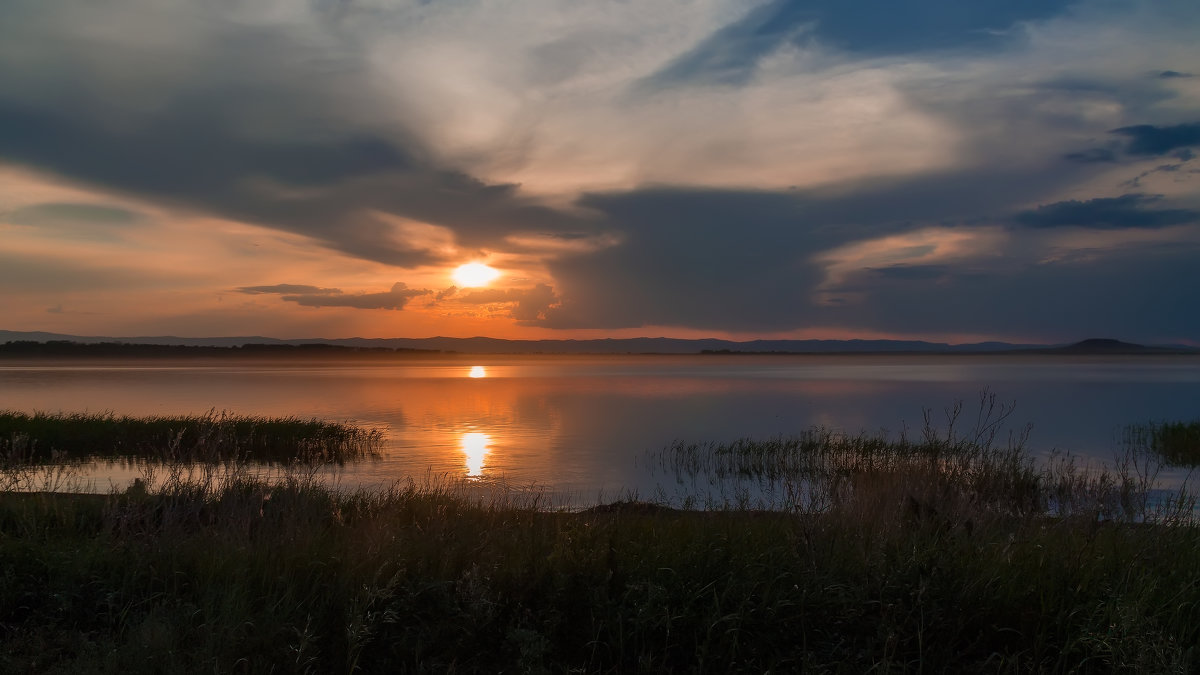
{"points": [[294, 578]]}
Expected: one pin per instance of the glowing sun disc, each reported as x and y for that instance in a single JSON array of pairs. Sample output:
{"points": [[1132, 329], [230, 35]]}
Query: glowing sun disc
{"points": [[474, 274]]}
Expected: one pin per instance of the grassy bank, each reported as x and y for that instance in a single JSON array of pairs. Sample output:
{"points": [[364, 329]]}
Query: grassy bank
{"points": [[930, 555], [212, 437], [294, 578]]}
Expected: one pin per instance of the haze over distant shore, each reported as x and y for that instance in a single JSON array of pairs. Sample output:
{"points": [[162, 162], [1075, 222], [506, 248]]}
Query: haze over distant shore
{"points": [[40, 343]]}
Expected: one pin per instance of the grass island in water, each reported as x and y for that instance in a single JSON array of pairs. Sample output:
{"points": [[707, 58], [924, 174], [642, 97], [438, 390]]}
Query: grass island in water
{"points": [[212, 437]]}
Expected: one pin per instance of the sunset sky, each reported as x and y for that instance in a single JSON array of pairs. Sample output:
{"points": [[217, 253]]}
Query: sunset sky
{"points": [[1022, 170]]}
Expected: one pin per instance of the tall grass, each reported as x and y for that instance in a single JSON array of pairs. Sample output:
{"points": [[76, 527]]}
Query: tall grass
{"points": [[950, 552], [241, 575], [212, 437], [965, 469], [1177, 443]]}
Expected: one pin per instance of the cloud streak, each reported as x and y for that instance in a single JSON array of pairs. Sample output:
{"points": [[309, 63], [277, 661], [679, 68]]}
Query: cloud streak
{"points": [[1126, 211], [313, 296]]}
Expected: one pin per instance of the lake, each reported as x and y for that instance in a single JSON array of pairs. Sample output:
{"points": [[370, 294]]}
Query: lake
{"points": [[583, 427]]}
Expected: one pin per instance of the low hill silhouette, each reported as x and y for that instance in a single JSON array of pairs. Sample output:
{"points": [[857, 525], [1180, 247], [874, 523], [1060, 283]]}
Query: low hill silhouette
{"points": [[1111, 346]]}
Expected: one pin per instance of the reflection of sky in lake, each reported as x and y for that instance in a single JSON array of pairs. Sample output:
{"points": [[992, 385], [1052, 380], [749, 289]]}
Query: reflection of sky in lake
{"points": [[585, 424]]}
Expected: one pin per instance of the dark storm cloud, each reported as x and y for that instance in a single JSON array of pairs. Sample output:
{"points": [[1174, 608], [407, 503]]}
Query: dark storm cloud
{"points": [[1171, 74], [313, 296], [1137, 293], [704, 258], [728, 259], [1126, 211], [186, 157], [876, 27], [1147, 139]]}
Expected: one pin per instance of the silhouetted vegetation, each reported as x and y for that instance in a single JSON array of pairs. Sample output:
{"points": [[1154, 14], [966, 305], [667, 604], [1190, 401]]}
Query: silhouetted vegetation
{"points": [[1177, 443], [63, 437], [69, 348], [950, 552]]}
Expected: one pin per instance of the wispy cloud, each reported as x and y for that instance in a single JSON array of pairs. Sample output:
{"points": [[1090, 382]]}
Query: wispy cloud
{"points": [[313, 296], [289, 289]]}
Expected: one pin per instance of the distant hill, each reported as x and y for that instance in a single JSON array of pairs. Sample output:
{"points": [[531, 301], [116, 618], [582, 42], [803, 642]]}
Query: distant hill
{"points": [[485, 345], [1102, 346]]}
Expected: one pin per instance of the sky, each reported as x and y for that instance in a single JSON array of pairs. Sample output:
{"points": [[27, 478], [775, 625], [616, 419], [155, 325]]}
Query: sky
{"points": [[1020, 170]]}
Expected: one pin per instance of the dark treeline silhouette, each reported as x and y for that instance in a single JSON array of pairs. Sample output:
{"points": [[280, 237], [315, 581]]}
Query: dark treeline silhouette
{"points": [[68, 348], [486, 346]]}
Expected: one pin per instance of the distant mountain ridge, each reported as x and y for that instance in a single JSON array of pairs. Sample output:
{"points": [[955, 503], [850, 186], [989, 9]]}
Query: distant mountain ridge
{"points": [[486, 345]]}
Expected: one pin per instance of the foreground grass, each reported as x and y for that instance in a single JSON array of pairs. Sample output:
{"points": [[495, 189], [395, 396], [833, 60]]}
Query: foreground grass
{"points": [[292, 577], [213, 437], [931, 555]]}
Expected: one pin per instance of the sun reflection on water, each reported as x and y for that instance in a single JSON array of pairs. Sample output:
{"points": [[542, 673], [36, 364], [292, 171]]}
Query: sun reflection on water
{"points": [[475, 447], [477, 371]]}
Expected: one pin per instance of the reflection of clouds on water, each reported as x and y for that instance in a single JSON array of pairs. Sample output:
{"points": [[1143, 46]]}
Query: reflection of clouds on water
{"points": [[477, 372], [475, 447]]}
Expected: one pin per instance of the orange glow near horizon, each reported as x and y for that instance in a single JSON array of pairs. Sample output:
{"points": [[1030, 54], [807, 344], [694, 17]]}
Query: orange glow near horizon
{"points": [[475, 447], [474, 274]]}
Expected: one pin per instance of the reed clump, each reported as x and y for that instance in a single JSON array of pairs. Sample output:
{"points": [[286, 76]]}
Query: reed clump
{"points": [[209, 438], [1177, 443]]}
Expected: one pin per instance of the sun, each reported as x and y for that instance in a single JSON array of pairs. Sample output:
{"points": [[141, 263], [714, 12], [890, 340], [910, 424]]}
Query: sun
{"points": [[474, 274]]}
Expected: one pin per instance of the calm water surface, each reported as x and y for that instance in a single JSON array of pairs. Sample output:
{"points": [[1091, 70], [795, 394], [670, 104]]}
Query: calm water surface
{"points": [[582, 426]]}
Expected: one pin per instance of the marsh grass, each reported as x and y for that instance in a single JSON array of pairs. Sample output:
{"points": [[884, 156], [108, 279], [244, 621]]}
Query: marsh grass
{"points": [[965, 468], [821, 469], [937, 554], [1177, 443], [51, 438], [241, 575]]}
